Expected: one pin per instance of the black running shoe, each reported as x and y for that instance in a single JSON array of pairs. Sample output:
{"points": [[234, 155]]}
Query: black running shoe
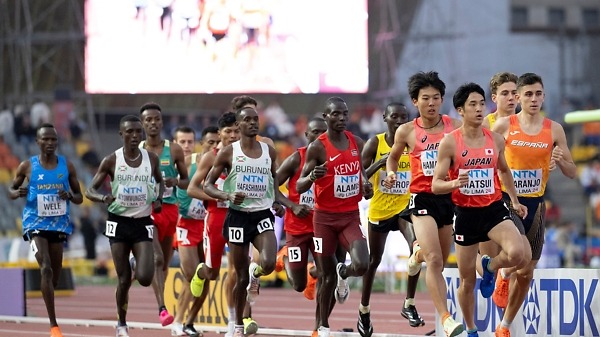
{"points": [[412, 316], [364, 326], [190, 331]]}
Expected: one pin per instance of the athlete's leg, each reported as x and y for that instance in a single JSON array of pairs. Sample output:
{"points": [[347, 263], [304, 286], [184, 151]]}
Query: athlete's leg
{"points": [[466, 258], [197, 257], [46, 253], [377, 246], [120, 254]]}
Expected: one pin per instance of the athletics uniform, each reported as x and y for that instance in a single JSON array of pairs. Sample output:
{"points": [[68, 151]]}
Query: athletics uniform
{"points": [[133, 188], [386, 204], [491, 119], [166, 220], [299, 231], [479, 205], [336, 218], [423, 159], [214, 241], [528, 157], [190, 226], [45, 213], [254, 178]]}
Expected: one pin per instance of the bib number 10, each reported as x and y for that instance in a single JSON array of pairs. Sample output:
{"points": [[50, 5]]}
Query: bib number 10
{"points": [[264, 225]]}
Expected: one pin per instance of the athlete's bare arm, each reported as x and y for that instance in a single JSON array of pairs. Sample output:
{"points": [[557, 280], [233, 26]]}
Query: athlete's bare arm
{"points": [[16, 190], [222, 162], [367, 187], [315, 166], [445, 160], [506, 178], [106, 169], [158, 178], [195, 189], [179, 160], [561, 156], [279, 199], [287, 170], [368, 155], [401, 137], [75, 196]]}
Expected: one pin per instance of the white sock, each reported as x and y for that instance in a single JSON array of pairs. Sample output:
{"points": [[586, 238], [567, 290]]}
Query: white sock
{"points": [[503, 274], [505, 323], [364, 309], [408, 302]]}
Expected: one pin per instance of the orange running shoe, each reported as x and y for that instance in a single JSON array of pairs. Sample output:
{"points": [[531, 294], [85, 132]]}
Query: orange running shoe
{"points": [[315, 334], [502, 332], [279, 264], [55, 332], [311, 283], [500, 295]]}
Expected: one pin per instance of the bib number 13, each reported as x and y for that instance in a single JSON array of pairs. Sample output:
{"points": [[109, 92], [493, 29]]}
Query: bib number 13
{"points": [[411, 202]]}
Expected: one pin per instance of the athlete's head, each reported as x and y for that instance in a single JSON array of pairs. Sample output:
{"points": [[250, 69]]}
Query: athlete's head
{"points": [[185, 136], [427, 90], [316, 126], [503, 89], [151, 116], [47, 138], [336, 114], [530, 92], [242, 101], [247, 119], [469, 102], [394, 115], [210, 138], [130, 129], [229, 130]]}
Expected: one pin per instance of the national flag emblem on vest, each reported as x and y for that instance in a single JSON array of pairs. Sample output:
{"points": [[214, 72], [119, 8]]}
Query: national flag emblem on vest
{"points": [[422, 211], [489, 152], [460, 237], [240, 159], [354, 153], [165, 162]]}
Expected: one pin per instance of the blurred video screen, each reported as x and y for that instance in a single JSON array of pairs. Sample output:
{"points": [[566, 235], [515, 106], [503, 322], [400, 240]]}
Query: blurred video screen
{"points": [[226, 46]]}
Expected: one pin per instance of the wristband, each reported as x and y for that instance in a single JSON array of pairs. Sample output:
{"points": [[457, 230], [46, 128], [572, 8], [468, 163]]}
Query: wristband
{"points": [[391, 173], [312, 176]]}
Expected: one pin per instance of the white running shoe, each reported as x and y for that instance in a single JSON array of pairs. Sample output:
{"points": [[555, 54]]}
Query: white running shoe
{"points": [[323, 331], [253, 284], [177, 329], [122, 331], [414, 267], [341, 290]]}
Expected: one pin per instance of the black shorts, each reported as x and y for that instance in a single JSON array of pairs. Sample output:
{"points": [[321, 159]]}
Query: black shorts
{"points": [[50, 236], [129, 230], [513, 215], [387, 225], [242, 227], [473, 224], [534, 224], [439, 207]]}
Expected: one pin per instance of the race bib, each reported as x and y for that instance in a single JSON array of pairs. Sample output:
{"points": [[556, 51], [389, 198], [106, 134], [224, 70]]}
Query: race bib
{"points": [[264, 225], [428, 161], [400, 186], [253, 185], [196, 210], [236, 234], [132, 196], [221, 204], [168, 192], [51, 205], [111, 229], [318, 243], [34, 247], [182, 235], [294, 254], [308, 198], [346, 186], [527, 181], [411, 201], [150, 229], [481, 182]]}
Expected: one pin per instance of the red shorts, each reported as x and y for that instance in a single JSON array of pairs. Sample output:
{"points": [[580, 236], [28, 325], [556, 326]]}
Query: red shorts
{"points": [[214, 242], [333, 228], [298, 246], [166, 220], [189, 232]]}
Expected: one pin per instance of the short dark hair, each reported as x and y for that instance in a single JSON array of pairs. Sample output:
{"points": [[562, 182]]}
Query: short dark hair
{"points": [[239, 102], [128, 118], [422, 80], [462, 93], [239, 111], [209, 129], [227, 119], [529, 79], [331, 101], [184, 129], [501, 78], [391, 105], [43, 126], [316, 119], [150, 106]]}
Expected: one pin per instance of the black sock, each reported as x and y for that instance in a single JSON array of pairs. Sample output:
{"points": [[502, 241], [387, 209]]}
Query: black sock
{"points": [[161, 308]]}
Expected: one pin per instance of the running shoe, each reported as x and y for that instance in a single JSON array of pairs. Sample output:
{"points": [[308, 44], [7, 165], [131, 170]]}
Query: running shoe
{"points": [[486, 286], [500, 295], [197, 284], [253, 284], [279, 263], [177, 329], [250, 326], [315, 334], [122, 331], [323, 332], [230, 328], [132, 265], [364, 325], [452, 328], [341, 290], [238, 331], [55, 332], [411, 314], [311, 283], [191, 331], [472, 334], [502, 331], [165, 317], [414, 267]]}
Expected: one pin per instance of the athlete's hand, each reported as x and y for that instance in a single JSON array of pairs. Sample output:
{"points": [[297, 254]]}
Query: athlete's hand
{"points": [[157, 205], [462, 180], [64, 195], [521, 210], [319, 171], [108, 199], [557, 156], [367, 190], [236, 198], [22, 191], [383, 160], [279, 209], [170, 182], [301, 211], [390, 181]]}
